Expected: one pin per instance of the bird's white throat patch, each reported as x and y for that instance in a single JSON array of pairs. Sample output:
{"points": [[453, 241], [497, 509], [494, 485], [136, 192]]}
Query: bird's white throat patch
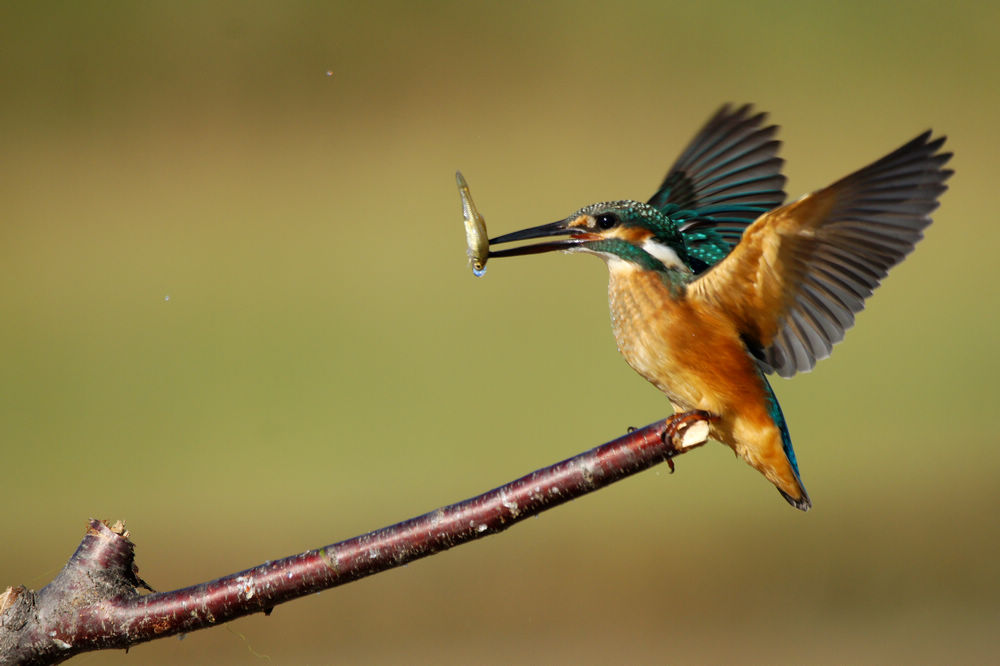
{"points": [[617, 265], [665, 254]]}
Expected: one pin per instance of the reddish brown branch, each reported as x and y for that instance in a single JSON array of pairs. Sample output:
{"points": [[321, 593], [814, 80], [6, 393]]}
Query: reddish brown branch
{"points": [[93, 603]]}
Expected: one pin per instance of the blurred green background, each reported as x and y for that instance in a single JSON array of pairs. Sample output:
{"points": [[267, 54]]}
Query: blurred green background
{"points": [[236, 313]]}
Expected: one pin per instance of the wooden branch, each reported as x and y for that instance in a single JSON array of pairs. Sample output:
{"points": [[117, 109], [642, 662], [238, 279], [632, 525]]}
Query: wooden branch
{"points": [[94, 604]]}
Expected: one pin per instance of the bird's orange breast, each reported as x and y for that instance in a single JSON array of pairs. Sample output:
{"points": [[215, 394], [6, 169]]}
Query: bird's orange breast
{"points": [[687, 349]]}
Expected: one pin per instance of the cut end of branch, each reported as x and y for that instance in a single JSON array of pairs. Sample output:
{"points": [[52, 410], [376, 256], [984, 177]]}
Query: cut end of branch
{"points": [[96, 527], [690, 435], [686, 430], [118, 527], [9, 596]]}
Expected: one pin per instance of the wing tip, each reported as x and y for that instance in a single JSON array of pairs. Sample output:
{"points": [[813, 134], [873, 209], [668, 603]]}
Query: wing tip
{"points": [[741, 112], [735, 140]]}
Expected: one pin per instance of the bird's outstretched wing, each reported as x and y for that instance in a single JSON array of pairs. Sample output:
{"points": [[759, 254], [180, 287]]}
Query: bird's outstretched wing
{"points": [[801, 271], [726, 177]]}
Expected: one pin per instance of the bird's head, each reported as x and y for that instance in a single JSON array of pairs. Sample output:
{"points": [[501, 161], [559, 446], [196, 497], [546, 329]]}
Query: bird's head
{"points": [[617, 231]]}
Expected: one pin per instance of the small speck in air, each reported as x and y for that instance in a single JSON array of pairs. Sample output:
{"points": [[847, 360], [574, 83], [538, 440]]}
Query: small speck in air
{"points": [[329, 72], [167, 297]]}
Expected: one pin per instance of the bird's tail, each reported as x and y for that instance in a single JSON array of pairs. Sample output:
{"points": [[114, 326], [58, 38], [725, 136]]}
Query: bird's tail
{"points": [[802, 501]]}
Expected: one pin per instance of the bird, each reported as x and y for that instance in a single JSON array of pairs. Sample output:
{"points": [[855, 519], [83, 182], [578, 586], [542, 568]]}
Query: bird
{"points": [[715, 282]]}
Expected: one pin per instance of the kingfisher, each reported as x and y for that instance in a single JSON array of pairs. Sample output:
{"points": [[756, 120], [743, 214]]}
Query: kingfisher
{"points": [[715, 283]]}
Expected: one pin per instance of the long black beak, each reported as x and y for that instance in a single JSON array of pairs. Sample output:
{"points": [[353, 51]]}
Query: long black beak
{"points": [[560, 228]]}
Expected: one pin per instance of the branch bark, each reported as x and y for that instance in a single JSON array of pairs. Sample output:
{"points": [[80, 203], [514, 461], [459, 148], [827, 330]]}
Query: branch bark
{"points": [[94, 602]]}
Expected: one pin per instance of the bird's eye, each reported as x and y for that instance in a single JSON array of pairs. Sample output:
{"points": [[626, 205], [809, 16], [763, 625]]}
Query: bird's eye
{"points": [[606, 220]]}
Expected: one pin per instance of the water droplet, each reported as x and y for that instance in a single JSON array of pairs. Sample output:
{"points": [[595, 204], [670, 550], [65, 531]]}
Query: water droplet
{"points": [[479, 272]]}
